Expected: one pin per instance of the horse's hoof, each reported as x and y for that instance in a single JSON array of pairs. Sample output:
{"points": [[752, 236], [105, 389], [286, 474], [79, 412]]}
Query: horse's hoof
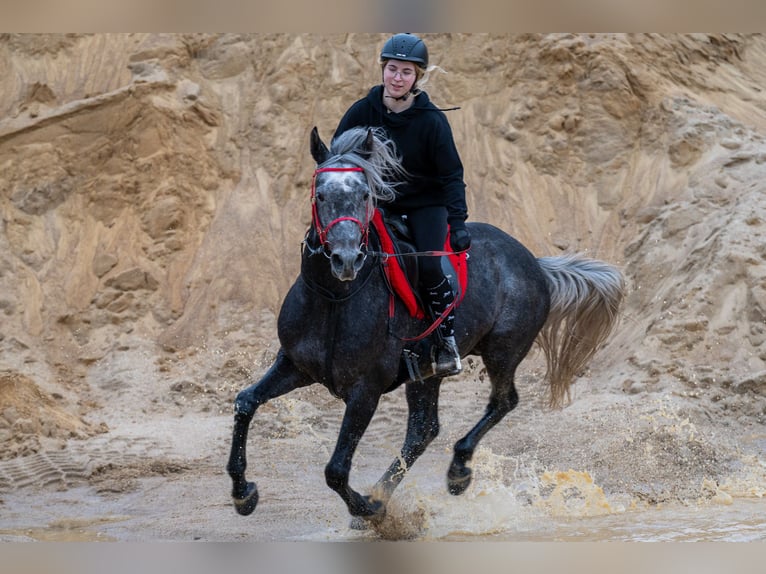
{"points": [[373, 515], [458, 480], [359, 523], [247, 503]]}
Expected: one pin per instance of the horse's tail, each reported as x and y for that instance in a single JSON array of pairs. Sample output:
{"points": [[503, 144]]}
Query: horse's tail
{"points": [[585, 300]]}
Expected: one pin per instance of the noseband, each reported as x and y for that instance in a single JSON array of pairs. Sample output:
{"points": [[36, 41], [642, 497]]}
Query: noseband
{"points": [[323, 231]]}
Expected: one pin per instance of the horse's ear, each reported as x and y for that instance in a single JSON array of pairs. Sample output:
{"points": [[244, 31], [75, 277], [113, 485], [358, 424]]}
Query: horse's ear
{"points": [[319, 151], [369, 144]]}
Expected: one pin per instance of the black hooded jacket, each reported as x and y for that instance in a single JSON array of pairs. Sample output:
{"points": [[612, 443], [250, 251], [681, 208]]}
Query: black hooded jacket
{"points": [[424, 139]]}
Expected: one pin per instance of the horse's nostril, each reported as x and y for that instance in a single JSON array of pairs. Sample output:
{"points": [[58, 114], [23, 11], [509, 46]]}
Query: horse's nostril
{"points": [[359, 261], [336, 260]]}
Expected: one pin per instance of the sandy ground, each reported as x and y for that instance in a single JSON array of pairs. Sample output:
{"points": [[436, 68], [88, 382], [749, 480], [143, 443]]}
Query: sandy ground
{"points": [[604, 468]]}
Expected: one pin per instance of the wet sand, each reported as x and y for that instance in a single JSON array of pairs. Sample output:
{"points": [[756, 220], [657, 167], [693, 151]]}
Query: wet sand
{"points": [[540, 475]]}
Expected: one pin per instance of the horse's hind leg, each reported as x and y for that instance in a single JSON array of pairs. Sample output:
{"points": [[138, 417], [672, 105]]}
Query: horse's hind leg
{"points": [[422, 428], [280, 379], [501, 367]]}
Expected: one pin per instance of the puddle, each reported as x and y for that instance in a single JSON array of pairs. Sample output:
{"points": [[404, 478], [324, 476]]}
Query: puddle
{"points": [[63, 530]]}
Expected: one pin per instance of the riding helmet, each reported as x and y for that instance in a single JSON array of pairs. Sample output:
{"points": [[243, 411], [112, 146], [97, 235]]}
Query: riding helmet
{"points": [[406, 47]]}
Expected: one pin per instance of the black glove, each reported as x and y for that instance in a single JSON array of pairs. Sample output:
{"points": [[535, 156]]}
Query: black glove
{"points": [[460, 239]]}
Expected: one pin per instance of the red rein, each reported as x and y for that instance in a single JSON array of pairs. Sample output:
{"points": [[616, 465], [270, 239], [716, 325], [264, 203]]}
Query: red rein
{"points": [[322, 231]]}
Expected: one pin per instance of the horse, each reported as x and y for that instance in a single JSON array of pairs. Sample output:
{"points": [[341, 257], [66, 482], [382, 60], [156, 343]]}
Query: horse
{"points": [[335, 327]]}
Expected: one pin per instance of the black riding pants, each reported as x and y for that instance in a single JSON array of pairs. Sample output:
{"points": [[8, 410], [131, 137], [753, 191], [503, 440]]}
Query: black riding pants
{"points": [[428, 226]]}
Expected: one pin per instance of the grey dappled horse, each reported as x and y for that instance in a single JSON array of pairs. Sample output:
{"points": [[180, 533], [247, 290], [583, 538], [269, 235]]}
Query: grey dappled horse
{"points": [[334, 326]]}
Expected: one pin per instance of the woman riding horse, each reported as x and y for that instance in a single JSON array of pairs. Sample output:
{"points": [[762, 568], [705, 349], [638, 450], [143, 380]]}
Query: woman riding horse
{"points": [[335, 326], [431, 197]]}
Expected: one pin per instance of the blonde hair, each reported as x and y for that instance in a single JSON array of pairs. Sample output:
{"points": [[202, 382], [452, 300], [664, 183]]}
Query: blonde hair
{"points": [[425, 75]]}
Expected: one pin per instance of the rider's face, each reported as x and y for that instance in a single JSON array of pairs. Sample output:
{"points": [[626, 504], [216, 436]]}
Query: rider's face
{"points": [[398, 77]]}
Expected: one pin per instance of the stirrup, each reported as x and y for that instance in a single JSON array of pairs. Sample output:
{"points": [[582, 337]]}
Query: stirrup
{"points": [[445, 358]]}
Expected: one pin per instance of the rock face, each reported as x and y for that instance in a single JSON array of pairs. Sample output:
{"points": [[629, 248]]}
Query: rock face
{"points": [[155, 189]]}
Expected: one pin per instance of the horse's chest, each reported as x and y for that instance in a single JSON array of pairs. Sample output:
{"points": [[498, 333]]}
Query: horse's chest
{"points": [[330, 341]]}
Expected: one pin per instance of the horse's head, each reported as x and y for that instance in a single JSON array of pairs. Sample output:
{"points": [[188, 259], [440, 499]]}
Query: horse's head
{"points": [[342, 208], [347, 182]]}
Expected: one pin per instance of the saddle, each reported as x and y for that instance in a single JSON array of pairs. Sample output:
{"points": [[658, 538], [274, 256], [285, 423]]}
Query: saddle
{"points": [[402, 270]]}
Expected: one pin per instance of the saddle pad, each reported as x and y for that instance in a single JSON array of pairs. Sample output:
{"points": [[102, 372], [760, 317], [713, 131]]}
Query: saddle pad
{"points": [[397, 276]]}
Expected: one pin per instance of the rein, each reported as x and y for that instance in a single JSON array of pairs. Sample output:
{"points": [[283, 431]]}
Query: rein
{"points": [[328, 295], [385, 256]]}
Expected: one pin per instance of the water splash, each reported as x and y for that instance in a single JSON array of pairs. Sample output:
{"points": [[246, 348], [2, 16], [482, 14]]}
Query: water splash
{"points": [[573, 493]]}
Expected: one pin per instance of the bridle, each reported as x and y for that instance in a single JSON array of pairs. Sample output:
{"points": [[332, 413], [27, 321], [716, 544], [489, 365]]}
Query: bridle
{"points": [[322, 232]]}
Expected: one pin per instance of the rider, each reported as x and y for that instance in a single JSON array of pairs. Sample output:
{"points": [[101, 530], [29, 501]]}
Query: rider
{"points": [[432, 197]]}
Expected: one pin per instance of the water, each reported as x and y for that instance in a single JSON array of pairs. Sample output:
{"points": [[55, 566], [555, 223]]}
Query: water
{"points": [[586, 474], [741, 521], [575, 510], [486, 517]]}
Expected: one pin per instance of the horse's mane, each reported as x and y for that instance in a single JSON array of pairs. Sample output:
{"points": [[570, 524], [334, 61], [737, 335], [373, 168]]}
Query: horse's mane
{"points": [[382, 166]]}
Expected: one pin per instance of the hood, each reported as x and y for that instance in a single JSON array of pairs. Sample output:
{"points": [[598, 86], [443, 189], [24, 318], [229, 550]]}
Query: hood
{"points": [[422, 103]]}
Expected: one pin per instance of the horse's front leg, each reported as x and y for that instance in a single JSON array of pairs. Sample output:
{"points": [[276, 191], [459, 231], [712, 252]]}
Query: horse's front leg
{"points": [[280, 379], [360, 407]]}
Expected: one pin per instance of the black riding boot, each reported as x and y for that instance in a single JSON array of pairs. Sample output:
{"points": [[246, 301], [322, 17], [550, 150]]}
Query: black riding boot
{"points": [[445, 357]]}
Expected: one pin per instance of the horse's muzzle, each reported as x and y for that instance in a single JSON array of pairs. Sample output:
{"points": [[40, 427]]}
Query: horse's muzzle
{"points": [[345, 264]]}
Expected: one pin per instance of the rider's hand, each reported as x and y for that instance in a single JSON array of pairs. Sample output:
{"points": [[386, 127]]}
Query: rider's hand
{"points": [[460, 239]]}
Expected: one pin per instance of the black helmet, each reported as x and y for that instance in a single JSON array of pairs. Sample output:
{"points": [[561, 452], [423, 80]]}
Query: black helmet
{"points": [[406, 47]]}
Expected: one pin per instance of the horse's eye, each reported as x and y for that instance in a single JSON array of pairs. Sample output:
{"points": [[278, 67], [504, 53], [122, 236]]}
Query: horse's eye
{"points": [[320, 196], [366, 196]]}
